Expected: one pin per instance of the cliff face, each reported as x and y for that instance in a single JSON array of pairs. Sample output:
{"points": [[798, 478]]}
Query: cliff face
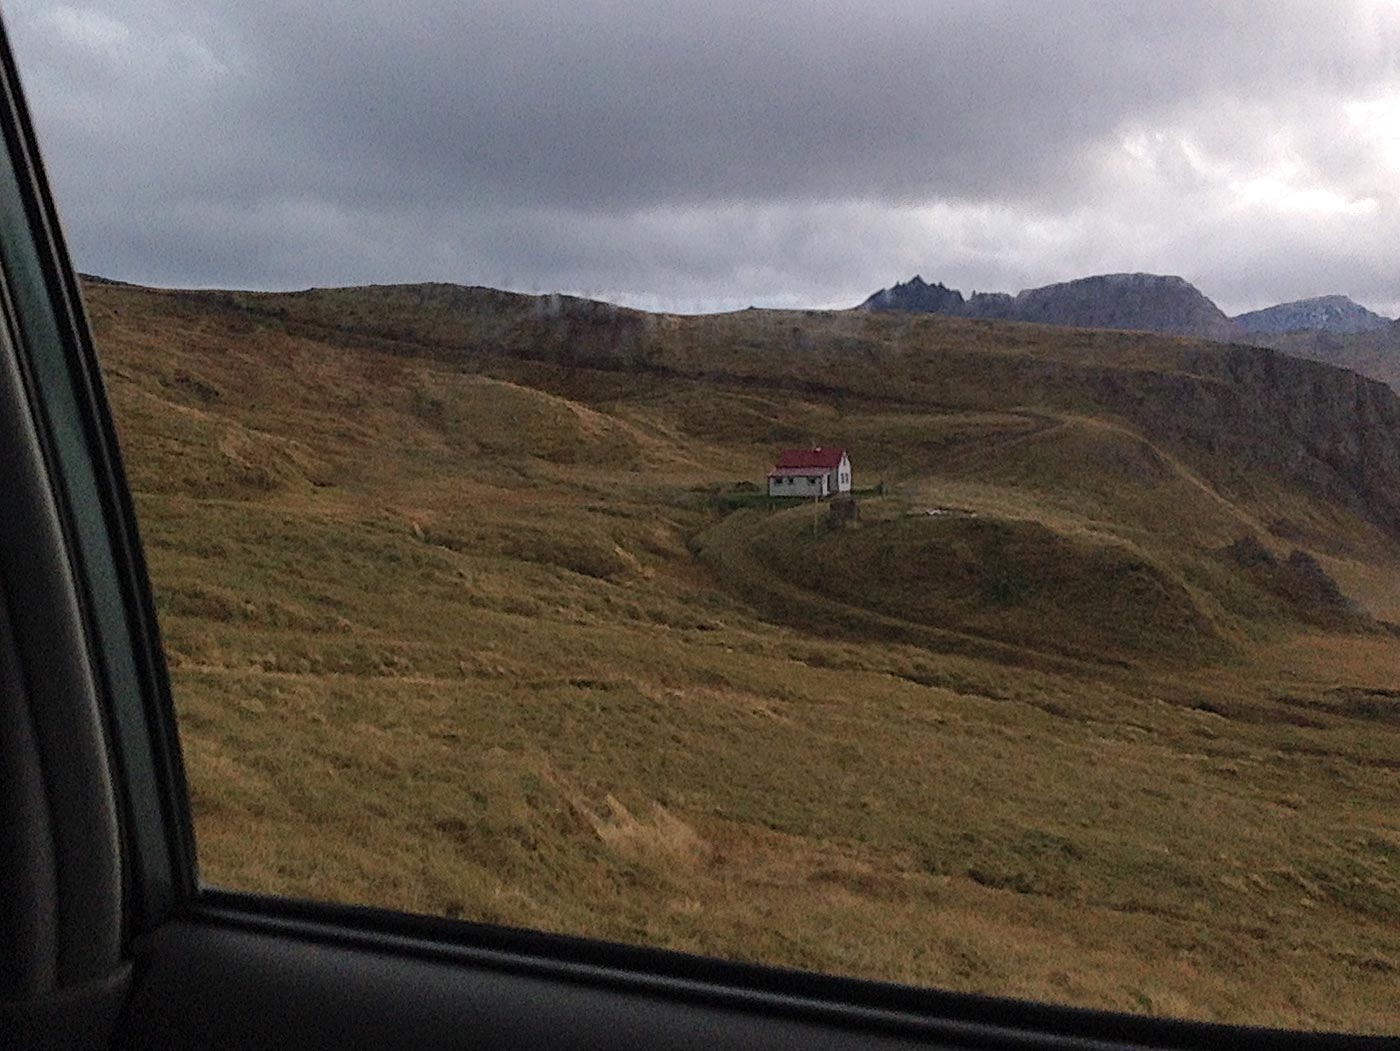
{"points": [[1374, 353], [1334, 314], [1141, 302], [995, 305], [1333, 432]]}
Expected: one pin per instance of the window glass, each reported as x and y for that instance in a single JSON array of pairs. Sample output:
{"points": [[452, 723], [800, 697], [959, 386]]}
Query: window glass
{"points": [[460, 343]]}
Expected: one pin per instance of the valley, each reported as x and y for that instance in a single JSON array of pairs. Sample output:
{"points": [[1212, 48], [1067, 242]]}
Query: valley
{"points": [[470, 610]]}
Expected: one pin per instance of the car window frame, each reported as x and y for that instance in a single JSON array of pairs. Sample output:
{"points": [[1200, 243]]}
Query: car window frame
{"points": [[55, 355]]}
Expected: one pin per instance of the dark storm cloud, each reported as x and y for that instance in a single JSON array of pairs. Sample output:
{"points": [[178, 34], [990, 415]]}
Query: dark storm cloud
{"points": [[686, 155]]}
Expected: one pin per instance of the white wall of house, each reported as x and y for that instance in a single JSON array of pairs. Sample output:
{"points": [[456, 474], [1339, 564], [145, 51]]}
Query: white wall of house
{"points": [[843, 476], [792, 485]]}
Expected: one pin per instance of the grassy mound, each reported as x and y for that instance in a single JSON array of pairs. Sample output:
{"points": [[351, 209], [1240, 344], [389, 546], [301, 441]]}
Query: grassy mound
{"points": [[1016, 582], [495, 418]]}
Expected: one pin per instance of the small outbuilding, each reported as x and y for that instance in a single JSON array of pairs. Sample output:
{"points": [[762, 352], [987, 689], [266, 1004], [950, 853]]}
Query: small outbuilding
{"points": [[814, 472]]}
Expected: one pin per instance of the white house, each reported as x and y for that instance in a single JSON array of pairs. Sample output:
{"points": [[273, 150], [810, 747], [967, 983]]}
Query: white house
{"points": [[810, 472]]}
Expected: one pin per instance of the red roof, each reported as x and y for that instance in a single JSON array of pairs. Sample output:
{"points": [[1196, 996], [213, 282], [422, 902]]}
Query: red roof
{"points": [[818, 457]]}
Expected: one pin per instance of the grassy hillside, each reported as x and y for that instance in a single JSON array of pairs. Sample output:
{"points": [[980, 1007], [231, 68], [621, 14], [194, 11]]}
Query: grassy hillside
{"points": [[1096, 703]]}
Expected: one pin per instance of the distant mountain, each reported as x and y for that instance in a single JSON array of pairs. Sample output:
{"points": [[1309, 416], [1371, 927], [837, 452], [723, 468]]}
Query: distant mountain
{"points": [[1335, 314], [1142, 302], [918, 296], [1149, 302], [1331, 329]]}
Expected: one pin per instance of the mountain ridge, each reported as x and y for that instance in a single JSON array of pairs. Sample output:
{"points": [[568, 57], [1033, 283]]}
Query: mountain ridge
{"points": [[1165, 304], [1160, 303]]}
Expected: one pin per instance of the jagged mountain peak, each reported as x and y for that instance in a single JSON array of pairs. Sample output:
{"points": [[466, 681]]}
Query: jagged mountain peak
{"points": [[918, 295]]}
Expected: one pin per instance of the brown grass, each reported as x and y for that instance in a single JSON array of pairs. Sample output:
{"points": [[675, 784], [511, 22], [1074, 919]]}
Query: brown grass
{"points": [[465, 635]]}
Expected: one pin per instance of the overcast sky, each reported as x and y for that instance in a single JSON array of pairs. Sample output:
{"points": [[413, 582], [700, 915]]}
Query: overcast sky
{"points": [[695, 156]]}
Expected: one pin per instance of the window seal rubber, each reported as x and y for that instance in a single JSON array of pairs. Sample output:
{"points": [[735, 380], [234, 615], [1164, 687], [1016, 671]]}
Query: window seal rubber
{"points": [[59, 368]]}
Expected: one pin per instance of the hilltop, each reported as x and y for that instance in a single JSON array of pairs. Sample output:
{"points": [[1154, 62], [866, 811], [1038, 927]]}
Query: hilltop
{"points": [[472, 608], [1332, 314]]}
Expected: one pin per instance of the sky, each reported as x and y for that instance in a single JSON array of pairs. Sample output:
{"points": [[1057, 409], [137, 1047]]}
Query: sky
{"points": [[686, 156]]}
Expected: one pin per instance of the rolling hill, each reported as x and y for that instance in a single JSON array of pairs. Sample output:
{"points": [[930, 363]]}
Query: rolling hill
{"points": [[473, 607]]}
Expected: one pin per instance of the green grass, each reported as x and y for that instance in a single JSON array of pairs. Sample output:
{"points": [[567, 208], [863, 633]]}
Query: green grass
{"points": [[466, 617]]}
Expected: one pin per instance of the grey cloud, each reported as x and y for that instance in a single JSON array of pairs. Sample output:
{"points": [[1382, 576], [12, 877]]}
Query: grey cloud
{"points": [[700, 156], [620, 105]]}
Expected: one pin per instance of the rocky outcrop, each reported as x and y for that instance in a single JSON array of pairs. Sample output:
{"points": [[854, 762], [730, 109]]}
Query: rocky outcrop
{"points": [[994, 305], [917, 295]]}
